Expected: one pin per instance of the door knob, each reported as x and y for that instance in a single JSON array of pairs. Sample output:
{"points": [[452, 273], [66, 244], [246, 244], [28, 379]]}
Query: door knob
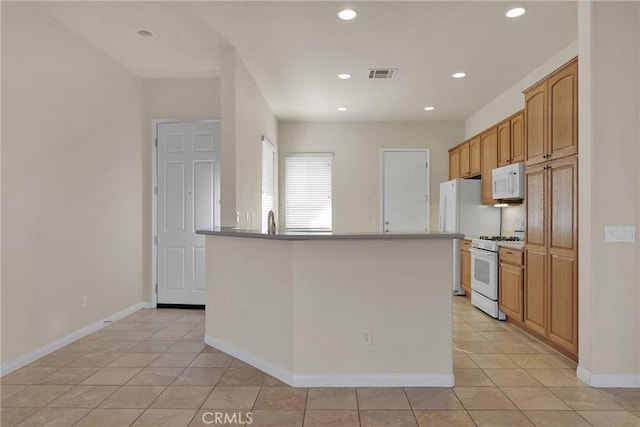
{"points": [[386, 223]]}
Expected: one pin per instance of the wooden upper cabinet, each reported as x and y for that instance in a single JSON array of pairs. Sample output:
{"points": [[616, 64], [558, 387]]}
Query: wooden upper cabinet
{"points": [[536, 134], [504, 143], [464, 160], [454, 163], [517, 138], [511, 140], [474, 156], [551, 116], [488, 162], [563, 112]]}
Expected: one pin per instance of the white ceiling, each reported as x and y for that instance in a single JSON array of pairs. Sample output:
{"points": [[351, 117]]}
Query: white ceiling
{"points": [[295, 49]]}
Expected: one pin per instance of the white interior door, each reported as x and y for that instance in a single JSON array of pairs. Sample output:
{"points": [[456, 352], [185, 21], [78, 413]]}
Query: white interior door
{"points": [[186, 202], [405, 190]]}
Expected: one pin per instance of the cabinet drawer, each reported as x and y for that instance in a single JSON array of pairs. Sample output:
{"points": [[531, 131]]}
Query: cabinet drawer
{"points": [[465, 245], [511, 256]]}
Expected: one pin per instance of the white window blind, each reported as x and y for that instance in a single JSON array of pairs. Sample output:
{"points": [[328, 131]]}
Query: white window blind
{"points": [[308, 191], [268, 180]]}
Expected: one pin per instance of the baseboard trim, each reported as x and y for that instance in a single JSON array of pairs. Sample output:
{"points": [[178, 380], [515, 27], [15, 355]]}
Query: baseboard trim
{"points": [[365, 380], [19, 362], [268, 367], [608, 381], [375, 380]]}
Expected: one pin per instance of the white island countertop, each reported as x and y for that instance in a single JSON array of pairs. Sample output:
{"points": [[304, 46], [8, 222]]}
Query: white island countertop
{"points": [[306, 235]]}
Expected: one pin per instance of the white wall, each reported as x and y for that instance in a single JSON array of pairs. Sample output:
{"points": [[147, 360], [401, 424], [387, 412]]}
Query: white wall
{"points": [[356, 163], [71, 182], [512, 100], [246, 117], [180, 99], [609, 192]]}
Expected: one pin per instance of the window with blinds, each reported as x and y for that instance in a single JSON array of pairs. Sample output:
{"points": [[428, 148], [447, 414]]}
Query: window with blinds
{"points": [[268, 180], [308, 191]]}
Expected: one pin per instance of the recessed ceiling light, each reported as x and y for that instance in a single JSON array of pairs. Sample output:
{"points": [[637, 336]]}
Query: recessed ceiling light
{"points": [[342, 108], [145, 33], [347, 14], [515, 12], [458, 75], [344, 76], [429, 108]]}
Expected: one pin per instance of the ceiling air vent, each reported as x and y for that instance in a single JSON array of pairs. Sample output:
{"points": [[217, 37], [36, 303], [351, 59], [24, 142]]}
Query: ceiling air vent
{"points": [[382, 73]]}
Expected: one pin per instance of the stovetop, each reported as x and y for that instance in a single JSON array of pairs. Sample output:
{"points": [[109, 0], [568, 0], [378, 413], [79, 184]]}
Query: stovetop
{"points": [[491, 243], [501, 238]]}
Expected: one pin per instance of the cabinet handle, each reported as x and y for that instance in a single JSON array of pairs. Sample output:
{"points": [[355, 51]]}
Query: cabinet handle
{"points": [[509, 253]]}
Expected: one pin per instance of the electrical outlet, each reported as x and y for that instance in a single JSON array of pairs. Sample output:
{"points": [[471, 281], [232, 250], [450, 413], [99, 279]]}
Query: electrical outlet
{"points": [[366, 337], [85, 301]]}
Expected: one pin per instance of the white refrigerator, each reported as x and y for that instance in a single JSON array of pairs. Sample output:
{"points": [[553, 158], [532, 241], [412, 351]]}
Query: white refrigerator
{"points": [[462, 211]]}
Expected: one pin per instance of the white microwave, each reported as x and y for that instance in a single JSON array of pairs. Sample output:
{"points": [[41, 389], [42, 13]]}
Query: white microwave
{"points": [[508, 182]]}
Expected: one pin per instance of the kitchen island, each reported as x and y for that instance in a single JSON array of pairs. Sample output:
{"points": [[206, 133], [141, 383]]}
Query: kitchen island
{"points": [[329, 310]]}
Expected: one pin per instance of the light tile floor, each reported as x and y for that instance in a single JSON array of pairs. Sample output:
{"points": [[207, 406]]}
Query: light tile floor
{"points": [[152, 369]]}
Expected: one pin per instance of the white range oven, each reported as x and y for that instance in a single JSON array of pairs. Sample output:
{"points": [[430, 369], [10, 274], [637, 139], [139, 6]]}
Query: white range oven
{"points": [[484, 274]]}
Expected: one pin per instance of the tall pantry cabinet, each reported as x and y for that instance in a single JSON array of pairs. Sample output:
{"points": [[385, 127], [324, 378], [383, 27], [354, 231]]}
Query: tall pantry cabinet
{"points": [[551, 181]]}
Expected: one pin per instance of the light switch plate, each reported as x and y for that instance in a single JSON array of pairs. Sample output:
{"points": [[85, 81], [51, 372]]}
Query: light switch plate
{"points": [[619, 234]]}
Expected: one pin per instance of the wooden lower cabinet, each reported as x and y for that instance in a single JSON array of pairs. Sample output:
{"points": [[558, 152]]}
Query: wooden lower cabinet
{"points": [[534, 293], [511, 280], [465, 266], [563, 303], [551, 252]]}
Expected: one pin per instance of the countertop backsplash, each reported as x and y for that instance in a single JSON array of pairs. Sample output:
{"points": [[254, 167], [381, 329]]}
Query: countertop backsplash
{"points": [[512, 220]]}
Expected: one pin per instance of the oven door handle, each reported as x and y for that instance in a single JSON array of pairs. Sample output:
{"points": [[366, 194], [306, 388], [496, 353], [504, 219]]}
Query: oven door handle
{"points": [[484, 254]]}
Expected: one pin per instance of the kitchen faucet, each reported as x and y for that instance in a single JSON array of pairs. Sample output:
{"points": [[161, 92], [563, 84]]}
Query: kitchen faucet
{"points": [[271, 223]]}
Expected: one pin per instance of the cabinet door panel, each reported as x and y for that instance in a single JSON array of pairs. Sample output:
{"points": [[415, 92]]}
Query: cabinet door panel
{"points": [[504, 143], [489, 161], [465, 270], [563, 302], [474, 156], [534, 291], [536, 124], [511, 290], [563, 112], [464, 160], [535, 195], [454, 164], [517, 138], [563, 204]]}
